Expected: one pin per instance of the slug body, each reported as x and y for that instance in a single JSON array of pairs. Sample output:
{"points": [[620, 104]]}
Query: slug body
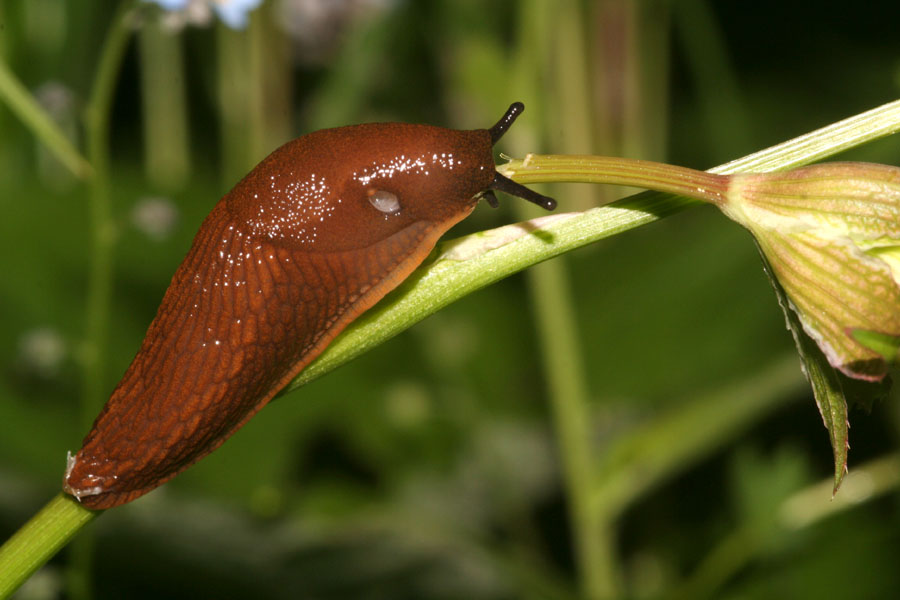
{"points": [[316, 234]]}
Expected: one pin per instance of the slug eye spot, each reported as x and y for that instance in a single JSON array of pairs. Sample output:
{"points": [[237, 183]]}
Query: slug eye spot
{"points": [[386, 202]]}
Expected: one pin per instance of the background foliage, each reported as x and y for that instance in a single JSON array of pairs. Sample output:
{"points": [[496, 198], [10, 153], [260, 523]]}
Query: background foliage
{"points": [[430, 468]]}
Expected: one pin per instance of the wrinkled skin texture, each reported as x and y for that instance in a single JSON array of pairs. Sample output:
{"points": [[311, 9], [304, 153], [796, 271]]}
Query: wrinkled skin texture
{"points": [[286, 260]]}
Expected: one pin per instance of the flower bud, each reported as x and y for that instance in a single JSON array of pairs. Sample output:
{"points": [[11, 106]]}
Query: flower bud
{"points": [[831, 233]]}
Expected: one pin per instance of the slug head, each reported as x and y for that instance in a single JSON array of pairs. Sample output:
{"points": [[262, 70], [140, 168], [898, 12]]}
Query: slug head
{"points": [[350, 188]]}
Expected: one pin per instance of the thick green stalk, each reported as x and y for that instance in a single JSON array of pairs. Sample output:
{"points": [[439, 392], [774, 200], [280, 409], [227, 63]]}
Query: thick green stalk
{"points": [[40, 123]]}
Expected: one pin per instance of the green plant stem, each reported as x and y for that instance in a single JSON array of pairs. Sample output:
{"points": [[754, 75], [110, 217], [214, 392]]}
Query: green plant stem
{"points": [[550, 291], [545, 168], [569, 402], [459, 267], [167, 160], [100, 275], [39, 539], [40, 123], [241, 94], [642, 460], [570, 100], [803, 509], [814, 504], [102, 225]]}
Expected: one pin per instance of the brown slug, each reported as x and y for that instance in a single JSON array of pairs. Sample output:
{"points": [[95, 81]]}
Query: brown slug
{"points": [[312, 237]]}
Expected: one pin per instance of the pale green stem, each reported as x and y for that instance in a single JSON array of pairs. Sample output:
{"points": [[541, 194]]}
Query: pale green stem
{"points": [[274, 60], [39, 539], [567, 388], [573, 124], [40, 123], [647, 105], [817, 502], [540, 26], [165, 120], [551, 294], [102, 232], [803, 509], [459, 268], [640, 461], [630, 61], [241, 89], [629, 82], [660, 177], [102, 226]]}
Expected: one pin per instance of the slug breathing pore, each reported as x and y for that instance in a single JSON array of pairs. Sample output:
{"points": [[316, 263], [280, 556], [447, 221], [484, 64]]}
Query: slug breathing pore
{"points": [[312, 237]]}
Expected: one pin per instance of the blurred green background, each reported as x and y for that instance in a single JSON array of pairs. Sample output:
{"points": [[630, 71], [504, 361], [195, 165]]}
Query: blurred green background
{"points": [[430, 468]]}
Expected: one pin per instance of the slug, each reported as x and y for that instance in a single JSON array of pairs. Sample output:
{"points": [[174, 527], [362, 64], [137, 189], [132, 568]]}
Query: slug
{"points": [[312, 237]]}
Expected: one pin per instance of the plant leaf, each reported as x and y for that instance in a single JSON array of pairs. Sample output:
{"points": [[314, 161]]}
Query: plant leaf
{"points": [[824, 379]]}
